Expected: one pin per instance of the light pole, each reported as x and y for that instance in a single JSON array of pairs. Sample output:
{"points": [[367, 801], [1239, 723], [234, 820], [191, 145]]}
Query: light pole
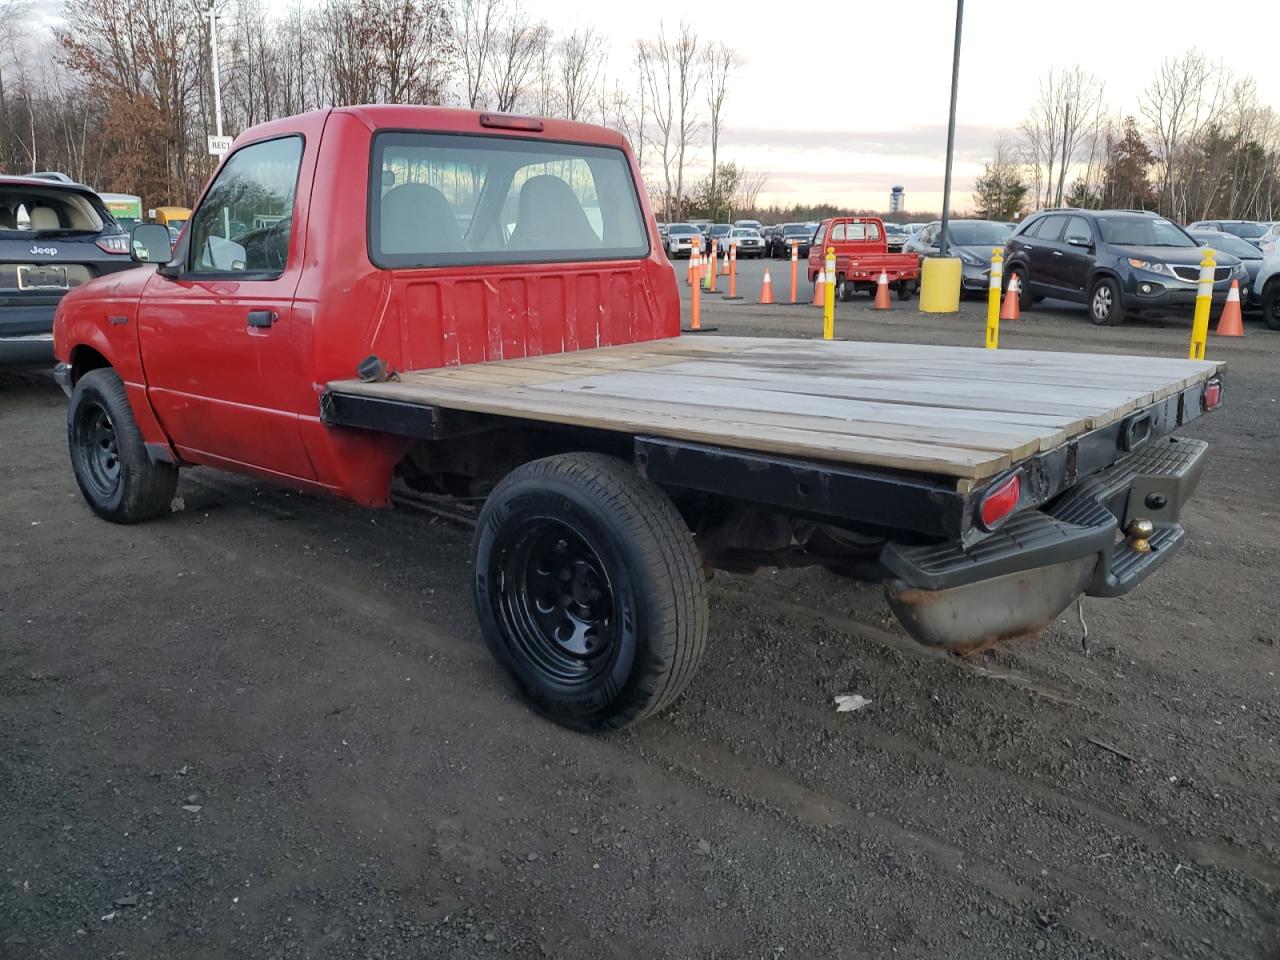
{"points": [[951, 132]]}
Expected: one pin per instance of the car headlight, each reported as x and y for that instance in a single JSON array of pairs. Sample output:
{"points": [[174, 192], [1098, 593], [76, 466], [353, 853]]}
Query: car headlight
{"points": [[1239, 270], [971, 259], [1153, 266]]}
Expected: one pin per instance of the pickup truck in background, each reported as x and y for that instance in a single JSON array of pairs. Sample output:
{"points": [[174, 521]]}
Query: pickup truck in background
{"points": [[478, 306], [862, 254]]}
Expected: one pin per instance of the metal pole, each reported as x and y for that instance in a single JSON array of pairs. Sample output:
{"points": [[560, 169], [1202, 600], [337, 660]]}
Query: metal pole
{"points": [[217, 82], [951, 132]]}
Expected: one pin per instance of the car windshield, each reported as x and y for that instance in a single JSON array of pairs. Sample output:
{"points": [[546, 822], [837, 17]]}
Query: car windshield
{"points": [[720, 230], [796, 230], [681, 230], [1246, 229], [977, 234], [746, 232], [1134, 231], [1226, 243]]}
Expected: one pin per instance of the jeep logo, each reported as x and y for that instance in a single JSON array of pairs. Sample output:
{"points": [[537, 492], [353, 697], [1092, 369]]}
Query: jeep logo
{"points": [[38, 251]]}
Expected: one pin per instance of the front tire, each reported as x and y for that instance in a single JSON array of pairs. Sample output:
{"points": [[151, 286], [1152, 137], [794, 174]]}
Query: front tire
{"points": [[1025, 298], [114, 473], [1271, 305], [589, 590], [1106, 308]]}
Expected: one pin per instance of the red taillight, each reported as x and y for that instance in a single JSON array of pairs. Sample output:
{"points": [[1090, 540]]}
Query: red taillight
{"points": [[509, 121], [1212, 394], [1000, 501], [113, 244]]}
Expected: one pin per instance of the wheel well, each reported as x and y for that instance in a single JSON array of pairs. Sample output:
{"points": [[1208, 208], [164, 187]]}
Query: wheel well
{"points": [[1105, 272], [84, 359]]}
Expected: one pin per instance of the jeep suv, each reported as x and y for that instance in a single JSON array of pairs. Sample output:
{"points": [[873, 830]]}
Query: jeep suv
{"points": [[1115, 261], [54, 236]]}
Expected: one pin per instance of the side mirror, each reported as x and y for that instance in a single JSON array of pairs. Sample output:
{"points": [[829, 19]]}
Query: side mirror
{"points": [[1079, 242], [150, 244]]}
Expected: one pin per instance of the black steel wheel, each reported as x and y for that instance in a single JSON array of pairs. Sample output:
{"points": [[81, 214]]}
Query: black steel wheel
{"points": [[1271, 305], [589, 590], [114, 473]]}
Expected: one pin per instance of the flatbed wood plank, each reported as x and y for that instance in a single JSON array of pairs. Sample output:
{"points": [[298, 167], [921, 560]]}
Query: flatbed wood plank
{"points": [[793, 440], [960, 412]]}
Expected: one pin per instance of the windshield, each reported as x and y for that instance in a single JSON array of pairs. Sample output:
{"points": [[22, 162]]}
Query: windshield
{"points": [[745, 232], [977, 234], [719, 229], [1132, 231], [1226, 243], [1250, 231], [681, 230], [796, 230]]}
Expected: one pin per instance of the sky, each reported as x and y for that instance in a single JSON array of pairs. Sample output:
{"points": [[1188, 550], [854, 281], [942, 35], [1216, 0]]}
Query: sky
{"points": [[840, 100]]}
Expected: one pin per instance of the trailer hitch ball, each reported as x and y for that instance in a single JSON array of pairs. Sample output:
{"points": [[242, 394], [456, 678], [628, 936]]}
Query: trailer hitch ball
{"points": [[1140, 532]]}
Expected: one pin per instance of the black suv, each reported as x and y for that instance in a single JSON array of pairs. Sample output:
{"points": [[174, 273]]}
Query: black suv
{"points": [[54, 236], [1115, 261]]}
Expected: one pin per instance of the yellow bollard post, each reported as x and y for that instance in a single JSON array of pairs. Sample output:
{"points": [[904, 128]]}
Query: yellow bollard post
{"points": [[1204, 300], [829, 297], [993, 299]]}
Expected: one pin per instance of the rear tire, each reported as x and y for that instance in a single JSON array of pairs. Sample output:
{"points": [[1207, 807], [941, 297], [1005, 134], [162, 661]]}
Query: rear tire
{"points": [[1106, 308], [1025, 298], [114, 473], [1271, 305], [904, 290], [589, 590], [844, 288]]}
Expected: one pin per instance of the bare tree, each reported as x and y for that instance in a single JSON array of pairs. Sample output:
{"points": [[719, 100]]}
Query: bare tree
{"points": [[750, 183], [581, 58], [475, 31], [1059, 128], [514, 58], [653, 60], [1183, 100], [685, 60], [719, 62]]}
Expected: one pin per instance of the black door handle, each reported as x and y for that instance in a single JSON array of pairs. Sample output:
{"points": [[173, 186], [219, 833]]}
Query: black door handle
{"points": [[261, 318]]}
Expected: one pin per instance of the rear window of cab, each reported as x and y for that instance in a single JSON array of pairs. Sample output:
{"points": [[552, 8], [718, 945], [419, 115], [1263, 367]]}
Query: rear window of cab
{"points": [[459, 199]]}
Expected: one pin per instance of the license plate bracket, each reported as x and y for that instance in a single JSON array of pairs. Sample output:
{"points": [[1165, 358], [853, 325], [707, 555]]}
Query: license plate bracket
{"points": [[40, 276]]}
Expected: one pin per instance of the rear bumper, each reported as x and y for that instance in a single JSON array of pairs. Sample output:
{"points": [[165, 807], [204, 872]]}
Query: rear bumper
{"points": [[33, 349], [1013, 583]]}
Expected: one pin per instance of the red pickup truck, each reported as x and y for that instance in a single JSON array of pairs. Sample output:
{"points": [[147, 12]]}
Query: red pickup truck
{"points": [[862, 254], [478, 306]]}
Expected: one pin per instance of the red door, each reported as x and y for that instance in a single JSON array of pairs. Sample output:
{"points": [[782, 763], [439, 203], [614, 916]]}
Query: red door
{"points": [[217, 326]]}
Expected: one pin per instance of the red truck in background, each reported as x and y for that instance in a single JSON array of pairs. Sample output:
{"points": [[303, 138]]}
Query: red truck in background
{"points": [[478, 305], [862, 254]]}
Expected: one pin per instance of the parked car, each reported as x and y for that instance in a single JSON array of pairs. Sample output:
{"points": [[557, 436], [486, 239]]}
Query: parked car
{"points": [[57, 176], [972, 241], [54, 236], [781, 242], [861, 254], [1251, 230], [750, 243], [750, 224], [680, 237], [897, 235], [719, 232], [1116, 261], [1269, 242], [1250, 256], [662, 230]]}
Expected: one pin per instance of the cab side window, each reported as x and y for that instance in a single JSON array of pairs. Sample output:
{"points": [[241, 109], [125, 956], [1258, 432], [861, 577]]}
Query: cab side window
{"points": [[245, 222], [838, 233]]}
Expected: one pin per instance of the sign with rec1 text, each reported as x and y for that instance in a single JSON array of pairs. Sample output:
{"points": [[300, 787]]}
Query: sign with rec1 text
{"points": [[219, 145]]}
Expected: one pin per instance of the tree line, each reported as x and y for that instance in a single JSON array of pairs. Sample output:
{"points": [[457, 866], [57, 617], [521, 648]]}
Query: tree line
{"points": [[121, 96], [1197, 145]]}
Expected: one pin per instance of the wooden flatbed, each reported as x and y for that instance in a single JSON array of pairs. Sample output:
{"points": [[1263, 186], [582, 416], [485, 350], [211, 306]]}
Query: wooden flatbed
{"points": [[950, 411]]}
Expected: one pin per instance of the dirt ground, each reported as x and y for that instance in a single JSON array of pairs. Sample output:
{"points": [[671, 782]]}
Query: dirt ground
{"points": [[266, 727]]}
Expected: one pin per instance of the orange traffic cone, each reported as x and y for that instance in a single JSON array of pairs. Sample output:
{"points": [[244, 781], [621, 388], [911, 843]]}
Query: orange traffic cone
{"points": [[1010, 309], [766, 288], [1231, 324], [819, 289], [882, 292]]}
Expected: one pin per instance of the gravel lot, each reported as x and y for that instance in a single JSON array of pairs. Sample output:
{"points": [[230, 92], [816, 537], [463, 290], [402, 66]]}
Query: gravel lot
{"points": [[266, 727]]}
